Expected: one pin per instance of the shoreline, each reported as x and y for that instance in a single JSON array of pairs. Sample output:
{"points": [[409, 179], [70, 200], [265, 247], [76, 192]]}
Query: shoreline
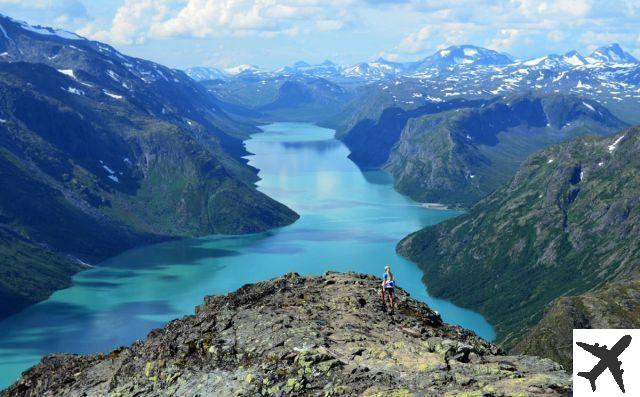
{"points": [[435, 206]]}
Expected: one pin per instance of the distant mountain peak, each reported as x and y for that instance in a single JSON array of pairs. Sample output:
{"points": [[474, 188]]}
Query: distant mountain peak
{"points": [[201, 73], [382, 60], [465, 54], [554, 61], [574, 58], [241, 69], [612, 53], [301, 64]]}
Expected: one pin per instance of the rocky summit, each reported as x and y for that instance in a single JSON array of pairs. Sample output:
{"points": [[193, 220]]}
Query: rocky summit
{"points": [[301, 335]]}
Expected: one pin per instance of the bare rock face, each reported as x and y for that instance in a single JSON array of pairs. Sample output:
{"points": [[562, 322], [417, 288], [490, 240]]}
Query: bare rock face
{"points": [[300, 335]]}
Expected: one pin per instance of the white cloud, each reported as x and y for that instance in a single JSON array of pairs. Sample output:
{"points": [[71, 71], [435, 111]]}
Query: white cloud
{"points": [[417, 41], [439, 35], [137, 20], [402, 28], [509, 25], [504, 40], [459, 33], [593, 39], [131, 23], [63, 12], [391, 56], [555, 9]]}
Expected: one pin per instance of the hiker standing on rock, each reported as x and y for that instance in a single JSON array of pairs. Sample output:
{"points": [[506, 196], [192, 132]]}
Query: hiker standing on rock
{"points": [[388, 284]]}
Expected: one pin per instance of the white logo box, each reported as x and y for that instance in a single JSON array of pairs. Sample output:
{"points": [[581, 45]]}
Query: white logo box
{"points": [[587, 363]]}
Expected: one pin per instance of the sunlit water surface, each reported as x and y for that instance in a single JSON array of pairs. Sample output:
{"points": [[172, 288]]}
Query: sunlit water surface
{"points": [[350, 220]]}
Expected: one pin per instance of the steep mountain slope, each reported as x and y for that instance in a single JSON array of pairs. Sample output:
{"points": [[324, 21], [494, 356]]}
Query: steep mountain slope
{"points": [[29, 272], [164, 93], [615, 305], [612, 53], [371, 140], [94, 161], [301, 336], [567, 223], [459, 156]]}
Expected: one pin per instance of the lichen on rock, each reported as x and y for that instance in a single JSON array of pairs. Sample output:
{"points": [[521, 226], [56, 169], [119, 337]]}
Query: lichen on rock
{"points": [[300, 335]]}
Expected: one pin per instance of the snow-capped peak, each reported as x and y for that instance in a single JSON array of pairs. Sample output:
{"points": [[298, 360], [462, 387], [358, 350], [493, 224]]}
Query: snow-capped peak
{"points": [[241, 69], [554, 61], [612, 53], [465, 55], [201, 73], [574, 58]]}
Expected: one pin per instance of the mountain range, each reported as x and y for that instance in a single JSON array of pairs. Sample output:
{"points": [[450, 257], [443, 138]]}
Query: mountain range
{"points": [[101, 152], [609, 75], [466, 56]]}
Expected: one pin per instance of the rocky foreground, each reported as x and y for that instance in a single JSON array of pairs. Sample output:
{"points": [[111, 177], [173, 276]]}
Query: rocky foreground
{"points": [[301, 335]]}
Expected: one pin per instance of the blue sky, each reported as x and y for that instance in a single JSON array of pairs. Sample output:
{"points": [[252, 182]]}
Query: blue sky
{"points": [[272, 33]]}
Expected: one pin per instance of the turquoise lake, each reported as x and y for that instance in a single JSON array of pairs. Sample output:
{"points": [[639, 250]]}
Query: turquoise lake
{"points": [[350, 220]]}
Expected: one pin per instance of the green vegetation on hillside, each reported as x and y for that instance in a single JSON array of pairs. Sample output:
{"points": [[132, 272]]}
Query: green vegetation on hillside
{"points": [[565, 224], [615, 305], [459, 156], [87, 176], [30, 272]]}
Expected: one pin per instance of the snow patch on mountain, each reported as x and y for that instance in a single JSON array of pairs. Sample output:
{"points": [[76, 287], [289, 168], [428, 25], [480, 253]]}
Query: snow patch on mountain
{"points": [[615, 143], [241, 69], [73, 90], [112, 95], [67, 72], [4, 32], [50, 32]]}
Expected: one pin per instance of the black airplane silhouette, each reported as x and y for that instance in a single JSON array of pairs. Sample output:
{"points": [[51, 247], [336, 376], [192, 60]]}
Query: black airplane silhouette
{"points": [[608, 359]]}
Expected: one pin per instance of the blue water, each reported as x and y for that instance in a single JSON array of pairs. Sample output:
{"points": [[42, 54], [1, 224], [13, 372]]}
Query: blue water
{"points": [[350, 220]]}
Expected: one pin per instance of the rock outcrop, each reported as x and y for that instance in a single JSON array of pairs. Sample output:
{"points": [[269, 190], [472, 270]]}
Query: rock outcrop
{"points": [[300, 335]]}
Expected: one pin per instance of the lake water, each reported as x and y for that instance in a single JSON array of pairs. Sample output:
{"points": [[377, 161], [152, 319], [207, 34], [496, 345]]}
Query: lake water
{"points": [[350, 220]]}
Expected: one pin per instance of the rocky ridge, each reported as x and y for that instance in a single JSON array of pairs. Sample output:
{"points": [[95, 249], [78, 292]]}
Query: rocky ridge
{"points": [[300, 335]]}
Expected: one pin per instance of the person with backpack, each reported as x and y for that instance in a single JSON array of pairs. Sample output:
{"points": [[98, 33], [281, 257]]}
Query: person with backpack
{"points": [[388, 284]]}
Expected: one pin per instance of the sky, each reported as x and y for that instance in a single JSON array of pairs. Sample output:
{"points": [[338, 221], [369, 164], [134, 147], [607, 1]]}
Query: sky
{"points": [[274, 33]]}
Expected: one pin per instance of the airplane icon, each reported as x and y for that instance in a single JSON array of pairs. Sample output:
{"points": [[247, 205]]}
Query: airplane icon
{"points": [[608, 359]]}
